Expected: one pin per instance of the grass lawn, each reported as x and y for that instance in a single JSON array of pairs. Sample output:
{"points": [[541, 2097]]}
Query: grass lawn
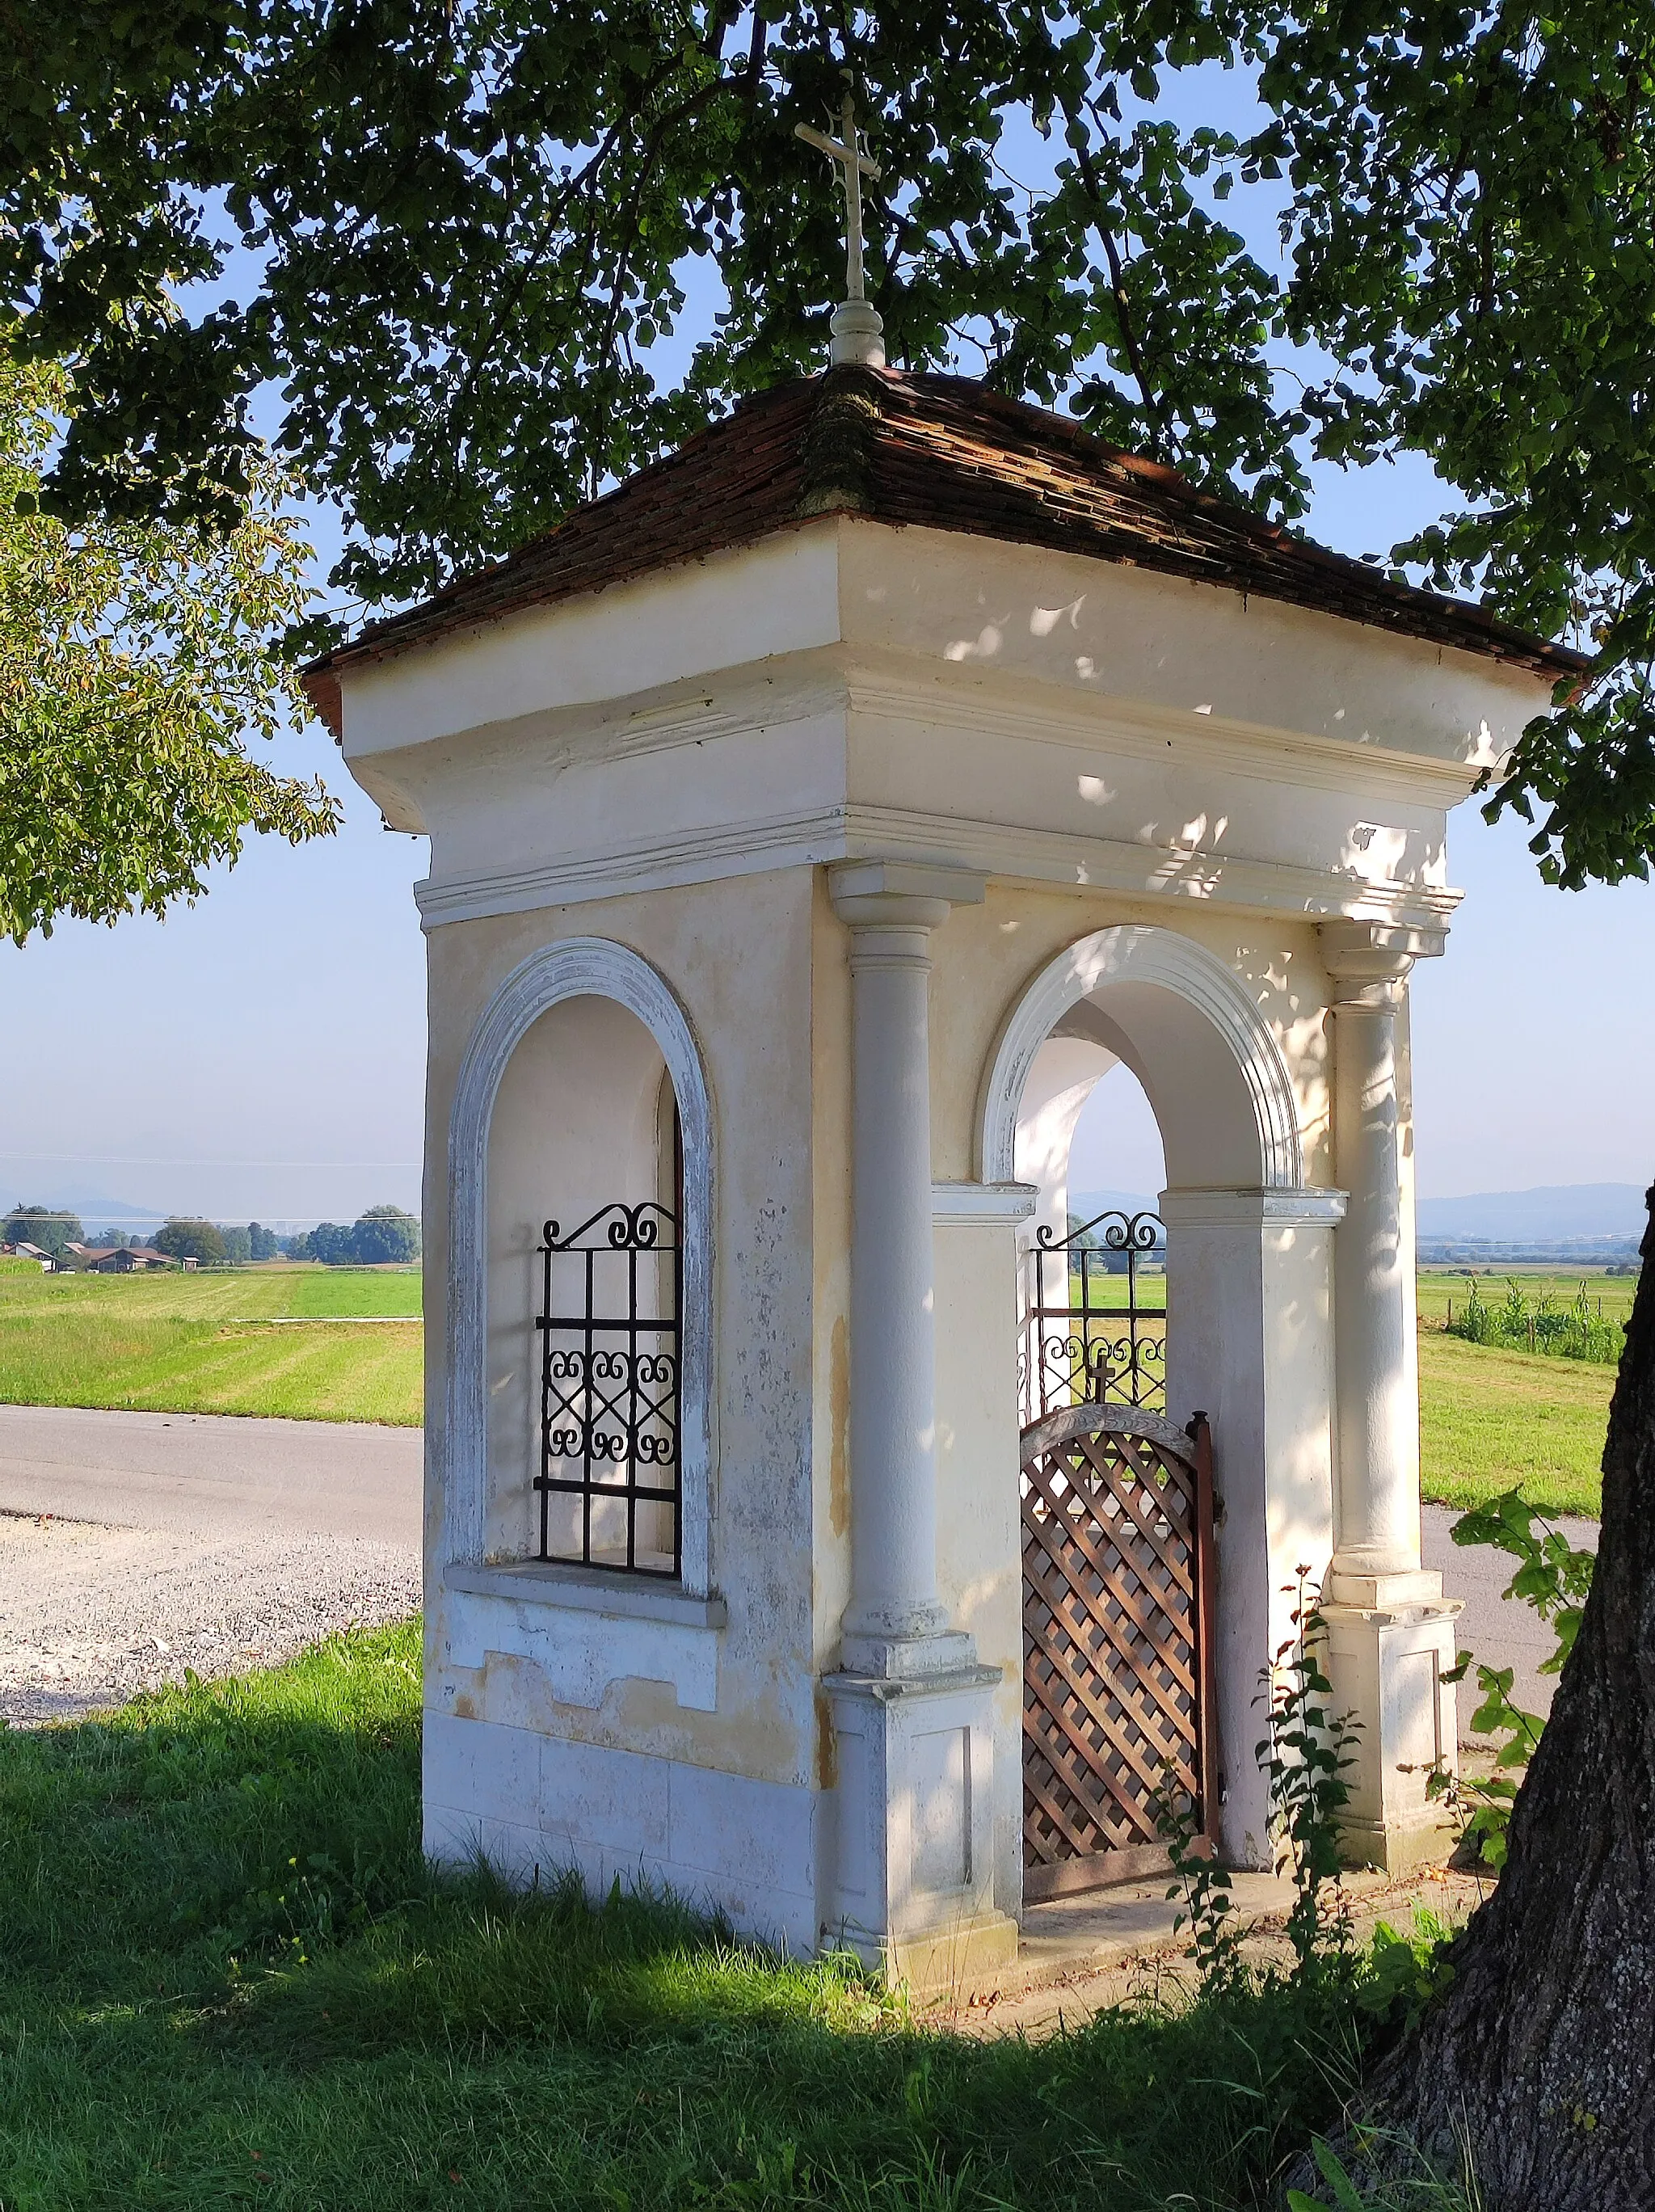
{"points": [[1492, 1420], [227, 1979], [313, 1343]]}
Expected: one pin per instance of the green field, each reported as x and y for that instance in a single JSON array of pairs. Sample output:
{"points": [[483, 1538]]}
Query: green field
{"points": [[227, 1978], [281, 1340], [319, 1343], [1493, 1420], [1609, 1295]]}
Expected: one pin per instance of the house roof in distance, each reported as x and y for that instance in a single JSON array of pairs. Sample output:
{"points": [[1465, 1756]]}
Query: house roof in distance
{"points": [[944, 452]]}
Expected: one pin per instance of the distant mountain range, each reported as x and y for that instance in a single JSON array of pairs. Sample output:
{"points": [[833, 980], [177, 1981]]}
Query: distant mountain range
{"points": [[100, 1213], [1587, 1213], [1563, 1218]]}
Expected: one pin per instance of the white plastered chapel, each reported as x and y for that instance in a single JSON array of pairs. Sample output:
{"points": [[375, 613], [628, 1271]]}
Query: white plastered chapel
{"points": [[815, 821]]}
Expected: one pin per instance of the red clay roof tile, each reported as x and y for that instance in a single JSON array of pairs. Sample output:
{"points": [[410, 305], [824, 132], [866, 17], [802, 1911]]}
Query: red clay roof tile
{"points": [[944, 452]]}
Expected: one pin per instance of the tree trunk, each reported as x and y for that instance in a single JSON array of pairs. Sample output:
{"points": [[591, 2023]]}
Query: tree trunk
{"points": [[1540, 2056]]}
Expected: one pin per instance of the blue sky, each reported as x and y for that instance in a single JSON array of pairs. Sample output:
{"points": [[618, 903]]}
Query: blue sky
{"points": [[263, 1053]]}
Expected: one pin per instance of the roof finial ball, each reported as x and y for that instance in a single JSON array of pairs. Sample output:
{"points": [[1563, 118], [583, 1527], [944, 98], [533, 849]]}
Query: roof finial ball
{"points": [[858, 334]]}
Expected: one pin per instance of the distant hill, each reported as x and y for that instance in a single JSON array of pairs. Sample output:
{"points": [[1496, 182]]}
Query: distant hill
{"points": [[98, 1213], [102, 1213], [1564, 1213], [1565, 1221]]}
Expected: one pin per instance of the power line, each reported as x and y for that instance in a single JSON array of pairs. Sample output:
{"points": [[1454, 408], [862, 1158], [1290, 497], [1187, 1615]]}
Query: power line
{"points": [[101, 1160]]}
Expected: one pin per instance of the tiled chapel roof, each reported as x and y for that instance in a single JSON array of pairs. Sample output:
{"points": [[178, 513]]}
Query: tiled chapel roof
{"points": [[942, 452]]}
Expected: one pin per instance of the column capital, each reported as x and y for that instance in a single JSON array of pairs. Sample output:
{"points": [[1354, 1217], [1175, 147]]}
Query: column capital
{"points": [[900, 894], [1366, 958]]}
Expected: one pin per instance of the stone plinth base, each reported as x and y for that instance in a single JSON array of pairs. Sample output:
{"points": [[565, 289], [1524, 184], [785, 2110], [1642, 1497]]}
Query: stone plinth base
{"points": [[913, 1887], [970, 1955], [1386, 1655]]}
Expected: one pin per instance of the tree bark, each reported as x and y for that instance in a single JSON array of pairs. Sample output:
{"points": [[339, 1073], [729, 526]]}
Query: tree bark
{"points": [[1540, 2056]]}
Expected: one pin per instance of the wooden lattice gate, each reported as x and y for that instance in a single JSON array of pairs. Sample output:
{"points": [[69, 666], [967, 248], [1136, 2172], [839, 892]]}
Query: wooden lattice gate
{"points": [[1117, 1634]]}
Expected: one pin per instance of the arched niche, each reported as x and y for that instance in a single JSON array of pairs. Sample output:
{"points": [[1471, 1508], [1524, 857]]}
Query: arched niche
{"points": [[1062, 1077], [564, 1101]]}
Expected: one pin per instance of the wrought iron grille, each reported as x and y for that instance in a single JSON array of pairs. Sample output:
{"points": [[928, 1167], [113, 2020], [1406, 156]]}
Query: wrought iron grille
{"points": [[1094, 1314], [609, 1379]]}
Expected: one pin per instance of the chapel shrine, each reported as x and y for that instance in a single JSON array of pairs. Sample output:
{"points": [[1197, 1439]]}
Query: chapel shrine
{"points": [[814, 1526]]}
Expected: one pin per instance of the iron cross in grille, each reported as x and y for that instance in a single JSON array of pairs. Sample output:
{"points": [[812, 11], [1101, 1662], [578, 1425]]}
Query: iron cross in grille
{"points": [[1092, 1327], [608, 1484]]}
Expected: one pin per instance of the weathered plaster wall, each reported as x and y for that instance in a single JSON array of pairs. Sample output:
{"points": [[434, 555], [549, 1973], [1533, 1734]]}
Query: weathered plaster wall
{"points": [[1111, 632], [738, 956]]}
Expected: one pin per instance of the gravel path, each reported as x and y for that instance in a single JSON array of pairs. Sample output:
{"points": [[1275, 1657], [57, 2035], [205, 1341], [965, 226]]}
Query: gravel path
{"points": [[91, 1615], [135, 1545]]}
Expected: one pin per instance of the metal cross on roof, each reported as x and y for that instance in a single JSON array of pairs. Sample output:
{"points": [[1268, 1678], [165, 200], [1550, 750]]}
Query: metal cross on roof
{"points": [[855, 165]]}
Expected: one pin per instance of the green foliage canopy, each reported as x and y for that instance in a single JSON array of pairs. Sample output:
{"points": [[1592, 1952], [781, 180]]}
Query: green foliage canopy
{"points": [[136, 656], [384, 1236], [184, 1237], [470, 219], [50, 1227]]}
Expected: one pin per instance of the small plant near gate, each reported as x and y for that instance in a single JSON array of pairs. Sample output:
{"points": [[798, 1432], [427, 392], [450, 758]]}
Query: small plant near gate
{"points": [[1303, 1755], [1553, 1577], [1201, 1883]]}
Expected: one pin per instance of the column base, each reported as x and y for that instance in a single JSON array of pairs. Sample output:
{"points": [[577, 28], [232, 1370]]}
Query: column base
{"points": [[1387, 1659], [882, 1658], [913, 1892], [958, 1959]]}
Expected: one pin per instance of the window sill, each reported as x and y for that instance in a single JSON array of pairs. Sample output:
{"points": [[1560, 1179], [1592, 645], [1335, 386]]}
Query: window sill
{"points": [[589, 1589]]}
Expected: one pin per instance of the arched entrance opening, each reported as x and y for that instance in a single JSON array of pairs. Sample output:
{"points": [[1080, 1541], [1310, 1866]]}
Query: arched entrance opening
{"points": [[1092, 1275], [1145, 1625]]}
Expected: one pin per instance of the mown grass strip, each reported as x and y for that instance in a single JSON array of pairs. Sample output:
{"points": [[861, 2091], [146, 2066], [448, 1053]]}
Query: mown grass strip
{"points": [[1492, 1420], [315, 1372], [301, 1292]]}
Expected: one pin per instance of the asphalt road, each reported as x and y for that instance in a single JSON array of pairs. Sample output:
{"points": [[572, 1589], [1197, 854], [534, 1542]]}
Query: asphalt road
{"points": [[293, 1509], [213, 1474]]}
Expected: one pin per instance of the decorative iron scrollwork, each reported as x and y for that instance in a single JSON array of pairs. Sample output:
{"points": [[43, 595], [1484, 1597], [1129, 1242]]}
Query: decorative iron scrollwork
{"points": [[610, 1389], [1091, 1327]]}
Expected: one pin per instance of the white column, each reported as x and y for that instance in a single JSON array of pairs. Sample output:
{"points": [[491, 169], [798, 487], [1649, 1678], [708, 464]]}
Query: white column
{"points": [[893, 1621], [1377, 1507], [912, 1889], [1390, 1631]]}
